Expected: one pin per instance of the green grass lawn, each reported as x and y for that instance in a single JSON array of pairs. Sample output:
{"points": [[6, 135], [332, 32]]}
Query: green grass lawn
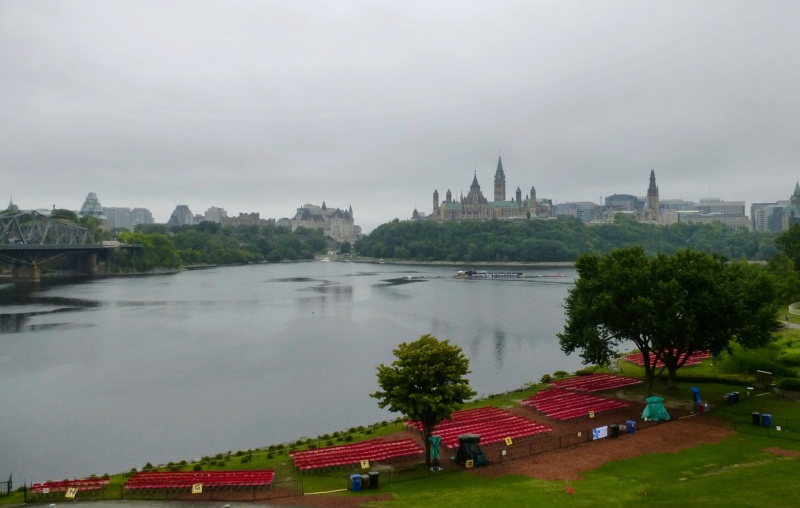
{"points": [[734, 472]]}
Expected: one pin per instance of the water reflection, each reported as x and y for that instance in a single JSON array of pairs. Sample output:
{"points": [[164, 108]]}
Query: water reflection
{"points": [[21, 305], [499, 348]]}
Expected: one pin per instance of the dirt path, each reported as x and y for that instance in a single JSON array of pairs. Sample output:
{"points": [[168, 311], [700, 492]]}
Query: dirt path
{"points": [[565, 463]]}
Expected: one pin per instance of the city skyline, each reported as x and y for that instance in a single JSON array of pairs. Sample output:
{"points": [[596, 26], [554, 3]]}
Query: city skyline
{"points": [[263, 106], [666, 204]]}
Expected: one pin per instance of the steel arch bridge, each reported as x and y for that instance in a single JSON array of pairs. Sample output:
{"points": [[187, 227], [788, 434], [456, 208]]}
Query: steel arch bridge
{"points": [[34, 228], [28, 239]]}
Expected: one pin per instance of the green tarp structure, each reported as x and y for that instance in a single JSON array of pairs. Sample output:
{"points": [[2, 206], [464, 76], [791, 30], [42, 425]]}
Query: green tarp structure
{"points": [[655, 411], [469, 448], [435, 441]]}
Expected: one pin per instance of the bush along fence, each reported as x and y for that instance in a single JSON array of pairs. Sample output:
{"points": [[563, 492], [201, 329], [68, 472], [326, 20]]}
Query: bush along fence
{"points": [[113, 492]]}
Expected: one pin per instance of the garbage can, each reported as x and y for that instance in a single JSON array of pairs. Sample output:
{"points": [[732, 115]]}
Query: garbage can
{"points": [[631, 426], [735, 397], [373, 479], [729, 398], [614, 430], [766, 420], [364, 481], [756, 418], [355, 482]]}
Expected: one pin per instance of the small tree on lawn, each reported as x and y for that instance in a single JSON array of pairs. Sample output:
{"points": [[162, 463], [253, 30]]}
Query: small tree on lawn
{"points": [[427, 382]]}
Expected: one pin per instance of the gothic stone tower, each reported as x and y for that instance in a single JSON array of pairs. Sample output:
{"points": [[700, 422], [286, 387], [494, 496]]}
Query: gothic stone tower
{"points": [[499, 182], [652, 211], [435, 202]]}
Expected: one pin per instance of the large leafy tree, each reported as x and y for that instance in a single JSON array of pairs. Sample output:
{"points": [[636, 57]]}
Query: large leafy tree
{"points": [[788, 243], [671, 306], [427, 382]]}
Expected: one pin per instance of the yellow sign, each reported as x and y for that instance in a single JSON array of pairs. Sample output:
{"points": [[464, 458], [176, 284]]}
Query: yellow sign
{"points": [[71, 493], [591, 414], [197, 488], [469, 464], [365, 464], [508, 441]]}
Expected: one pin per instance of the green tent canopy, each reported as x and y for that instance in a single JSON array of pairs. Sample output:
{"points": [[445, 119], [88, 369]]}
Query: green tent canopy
{"points": [[655, 410]]}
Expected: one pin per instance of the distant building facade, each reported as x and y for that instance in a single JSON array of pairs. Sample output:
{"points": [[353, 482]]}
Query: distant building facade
{"points": [[92, 207], [475, 206], [181, 216], [621, 203], [334, 223], [127, 218], [246, 219], [584, 211], [652, 211], [736, 221], [215, 214], [716, 205]]}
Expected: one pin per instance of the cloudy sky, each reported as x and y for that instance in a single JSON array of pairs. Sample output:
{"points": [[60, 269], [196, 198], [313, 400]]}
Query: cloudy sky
{"points": [[266, 105]]}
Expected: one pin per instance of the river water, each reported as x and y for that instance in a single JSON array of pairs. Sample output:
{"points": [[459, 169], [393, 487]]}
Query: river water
{"points": [[105, 375]]}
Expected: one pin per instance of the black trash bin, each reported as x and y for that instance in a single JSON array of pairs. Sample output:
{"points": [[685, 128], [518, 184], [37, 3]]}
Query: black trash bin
{"points": [[373, 479], [614, 430], [756, 419]]}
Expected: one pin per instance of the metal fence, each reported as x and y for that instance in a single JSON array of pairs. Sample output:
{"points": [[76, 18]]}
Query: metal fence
{"points": [[498, 454], [6, 488], [756, 423], [278, 489]]}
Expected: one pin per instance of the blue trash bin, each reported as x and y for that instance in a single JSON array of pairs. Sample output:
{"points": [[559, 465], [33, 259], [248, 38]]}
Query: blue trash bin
{"points": [[631, 426], [766, 420], [355, 482], [735, 397]]}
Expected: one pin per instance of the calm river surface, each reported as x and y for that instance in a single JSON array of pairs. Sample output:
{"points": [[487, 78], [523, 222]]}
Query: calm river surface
{"points": [[105, 375]]}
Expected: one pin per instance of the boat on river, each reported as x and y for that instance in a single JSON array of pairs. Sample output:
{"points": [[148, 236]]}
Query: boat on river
{"points": [[483, 274]]}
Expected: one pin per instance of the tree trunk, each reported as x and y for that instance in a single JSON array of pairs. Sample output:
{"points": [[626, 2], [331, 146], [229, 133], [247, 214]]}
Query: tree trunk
{"points": [[427, 432], [672, 376], [649, 376], [649, 371]]}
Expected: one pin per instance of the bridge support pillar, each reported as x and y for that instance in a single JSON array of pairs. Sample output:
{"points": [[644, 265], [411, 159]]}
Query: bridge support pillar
{"points": [[87, 263], [26, 273]]}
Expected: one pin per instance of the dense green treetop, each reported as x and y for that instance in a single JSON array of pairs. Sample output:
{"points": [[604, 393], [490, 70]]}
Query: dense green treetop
{"points": [[209, 243], [552, 240], [427, 382], [671, 306]]}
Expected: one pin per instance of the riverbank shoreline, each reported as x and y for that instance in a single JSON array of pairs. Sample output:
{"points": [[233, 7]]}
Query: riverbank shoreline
{"points": [[481, 264]]}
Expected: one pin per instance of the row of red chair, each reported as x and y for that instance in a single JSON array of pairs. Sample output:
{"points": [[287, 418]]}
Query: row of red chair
{"points": [[375, 450], [694, 358], [562, 405], [595, 382], [62, 486], [376, 447], [186, 479], [464, 416], [515, 427], [361, 445]]}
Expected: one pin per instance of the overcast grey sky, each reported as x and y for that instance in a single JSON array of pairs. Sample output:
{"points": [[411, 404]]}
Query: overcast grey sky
{"points": [[264, 105]]}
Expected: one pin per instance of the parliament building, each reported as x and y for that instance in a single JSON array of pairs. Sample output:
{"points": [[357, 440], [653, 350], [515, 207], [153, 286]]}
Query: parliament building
{"points": [[475, 206]]}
